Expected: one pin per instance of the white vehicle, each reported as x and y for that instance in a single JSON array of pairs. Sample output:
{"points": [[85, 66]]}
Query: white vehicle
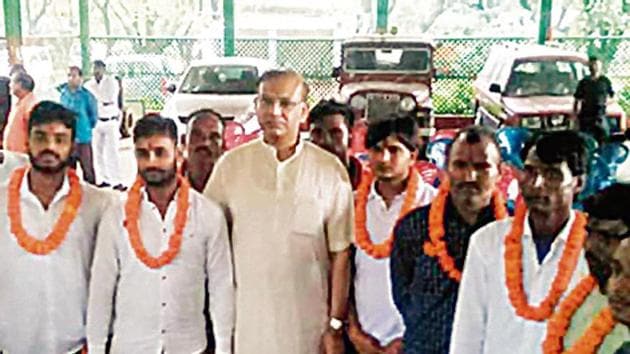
{"points": [[226, 85]]}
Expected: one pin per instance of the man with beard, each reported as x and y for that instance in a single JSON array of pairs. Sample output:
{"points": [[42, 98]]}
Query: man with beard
{"points": [[331, 125], [430, 243], [608, 225], [48, 224], [156, 250], [517, 270], [290, 204], [204, 146], [386, 194], [619, 289]]}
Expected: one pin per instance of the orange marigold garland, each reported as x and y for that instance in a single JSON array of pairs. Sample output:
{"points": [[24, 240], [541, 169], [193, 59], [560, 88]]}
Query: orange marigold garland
{"points": [[384, 249], [514, 266], [59, 231], [132, 212], [435, 246], [558, 324]]}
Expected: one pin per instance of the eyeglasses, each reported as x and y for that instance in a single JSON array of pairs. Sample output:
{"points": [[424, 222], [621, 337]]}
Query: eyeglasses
{"points": [[267, 102]]}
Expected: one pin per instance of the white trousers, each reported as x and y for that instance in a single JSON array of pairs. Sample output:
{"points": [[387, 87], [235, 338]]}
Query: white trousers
{"points": [[105, 141]]}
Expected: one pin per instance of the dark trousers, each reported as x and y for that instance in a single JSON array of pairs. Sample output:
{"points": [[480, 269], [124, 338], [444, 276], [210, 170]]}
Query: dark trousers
{"points": [[597, 127], [83, 155]]}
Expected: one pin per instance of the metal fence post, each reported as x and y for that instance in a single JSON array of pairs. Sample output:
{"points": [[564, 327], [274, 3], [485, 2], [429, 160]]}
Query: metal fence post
{"points": [[381, 15], [13, 29], [228, 28], [84, 35], [545, 20]]}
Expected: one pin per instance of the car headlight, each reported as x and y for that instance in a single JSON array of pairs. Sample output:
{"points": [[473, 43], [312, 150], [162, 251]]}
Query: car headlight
{"points": [[407, 104], [358, 102], [531, 122]]}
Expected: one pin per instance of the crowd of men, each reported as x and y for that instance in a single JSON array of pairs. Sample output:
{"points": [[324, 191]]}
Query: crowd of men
{"points": [[284, 245]]}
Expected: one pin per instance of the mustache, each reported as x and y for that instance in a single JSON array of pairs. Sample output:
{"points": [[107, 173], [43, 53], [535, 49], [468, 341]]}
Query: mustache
{"points": [[467, 186], [49, 152], [205, 149]]}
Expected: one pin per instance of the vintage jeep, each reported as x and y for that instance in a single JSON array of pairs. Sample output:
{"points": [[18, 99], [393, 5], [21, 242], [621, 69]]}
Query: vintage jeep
{"points": [[383, 74]]}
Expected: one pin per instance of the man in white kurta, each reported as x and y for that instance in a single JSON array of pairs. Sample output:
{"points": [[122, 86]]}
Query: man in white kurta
{"points": [[161, 310], [8, 162], [43, 298], [287, 216], [485, 319]]}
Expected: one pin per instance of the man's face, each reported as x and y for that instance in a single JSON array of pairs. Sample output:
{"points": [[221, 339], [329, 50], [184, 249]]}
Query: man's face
{"points": [[600, 246], [619, 283], [49, 147], [15, 87], [98, 71], [390, 160], [473, 170], [74, 79], [595, 67], [157, 160], [205, 141], [280, 110], [332, 134], [547, 188]]}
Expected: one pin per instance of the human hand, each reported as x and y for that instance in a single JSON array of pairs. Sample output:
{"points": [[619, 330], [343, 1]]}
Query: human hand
{"points": [[363, 342]]}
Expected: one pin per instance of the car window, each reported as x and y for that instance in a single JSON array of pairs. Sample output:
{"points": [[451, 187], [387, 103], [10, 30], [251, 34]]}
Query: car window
{"points": [[389, 59], [221, 79], [544, 77]]}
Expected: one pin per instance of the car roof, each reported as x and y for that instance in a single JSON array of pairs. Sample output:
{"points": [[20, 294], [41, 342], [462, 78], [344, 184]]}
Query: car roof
{"points": [[525, 51], [388, 38], [257, 62]]}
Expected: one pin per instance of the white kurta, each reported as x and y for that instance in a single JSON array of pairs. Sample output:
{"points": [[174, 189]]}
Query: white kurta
{"points": [[375, 306], [286, 217], [161, 310], [485, 320], [43, 299], [10, 162]]}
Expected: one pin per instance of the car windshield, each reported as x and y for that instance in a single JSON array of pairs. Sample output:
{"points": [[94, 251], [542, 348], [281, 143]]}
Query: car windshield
{"points": [[221, 79], [544, 78], [386, 60]]}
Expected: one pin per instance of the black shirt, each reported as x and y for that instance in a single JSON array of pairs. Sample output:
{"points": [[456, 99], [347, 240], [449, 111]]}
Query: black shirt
{"points": [[593, 94]]}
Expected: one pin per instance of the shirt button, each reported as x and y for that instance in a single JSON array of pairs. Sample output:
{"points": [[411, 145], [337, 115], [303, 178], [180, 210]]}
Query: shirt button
{"points": [[164, 277], [164, 230], [163, 331], [164, 304]]}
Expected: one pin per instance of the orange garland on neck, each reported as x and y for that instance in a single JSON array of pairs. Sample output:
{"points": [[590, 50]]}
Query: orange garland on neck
{"points": [[514, 266], [59, 231], [384, 249], [558, 324], [435, 246], [132, 213]]}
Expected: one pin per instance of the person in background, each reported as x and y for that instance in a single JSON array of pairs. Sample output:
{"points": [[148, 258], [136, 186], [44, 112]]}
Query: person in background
{"points": [[16, 131], [204, 146], [79, 100], [106, 135]]}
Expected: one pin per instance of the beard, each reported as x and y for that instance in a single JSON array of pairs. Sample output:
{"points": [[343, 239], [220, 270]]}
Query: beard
{"points": [[37, 164], [157, 177]]}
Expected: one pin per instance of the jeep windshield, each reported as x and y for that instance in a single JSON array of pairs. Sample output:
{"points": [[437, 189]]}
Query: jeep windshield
{"points": [[366, 60], [220, 79], [544, 78]]}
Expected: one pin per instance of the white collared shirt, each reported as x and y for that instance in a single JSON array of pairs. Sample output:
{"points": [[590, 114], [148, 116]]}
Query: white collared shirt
{"points": [[485, 320], [155, 310], [43, 298], [105, 91], [287, 216], [375, 306], [10, 162]]}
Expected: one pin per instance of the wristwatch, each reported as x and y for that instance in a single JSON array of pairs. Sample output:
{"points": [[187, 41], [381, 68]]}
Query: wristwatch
{"points": [[335, 324]]}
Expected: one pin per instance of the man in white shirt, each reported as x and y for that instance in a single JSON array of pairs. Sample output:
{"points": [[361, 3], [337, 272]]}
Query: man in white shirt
{"points": [[290, 206], [48, 223], [387, 193], [106, 134], [517, 270], [9, 161], [156, 249]]}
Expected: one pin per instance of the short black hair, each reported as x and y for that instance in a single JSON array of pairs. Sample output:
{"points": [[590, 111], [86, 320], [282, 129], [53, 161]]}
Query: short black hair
{"points": [[474, 134], [153, 124], [403, 126], [329, 107], [611, 203], [593, 58], [46, 112], [560, 146], [99, 64], [278, 73], [25, 80], [77, 69]]}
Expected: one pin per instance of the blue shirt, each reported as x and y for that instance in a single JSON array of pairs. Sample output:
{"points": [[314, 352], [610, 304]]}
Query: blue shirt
{"points": [[84, 104]]}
